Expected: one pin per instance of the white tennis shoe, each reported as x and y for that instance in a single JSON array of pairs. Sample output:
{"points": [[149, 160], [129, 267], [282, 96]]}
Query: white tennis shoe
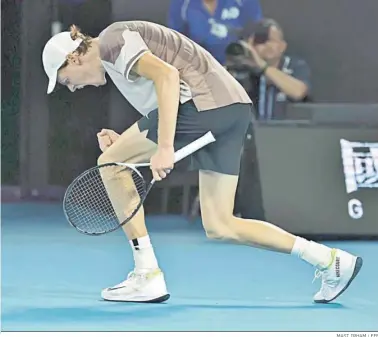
{"points": [[139, 287], [337, 278]]}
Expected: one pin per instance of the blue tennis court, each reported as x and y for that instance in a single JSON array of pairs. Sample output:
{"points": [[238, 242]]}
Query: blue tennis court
{"points": [[52, 277]]}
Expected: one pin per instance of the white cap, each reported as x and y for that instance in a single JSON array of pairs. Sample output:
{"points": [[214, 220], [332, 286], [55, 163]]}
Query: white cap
{"points": [[55, 54]]}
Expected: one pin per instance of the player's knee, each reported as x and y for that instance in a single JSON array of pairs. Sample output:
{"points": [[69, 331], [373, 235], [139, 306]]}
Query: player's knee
{"points": [[221, 234], [219, 228], [103, 159], [215, 234]]}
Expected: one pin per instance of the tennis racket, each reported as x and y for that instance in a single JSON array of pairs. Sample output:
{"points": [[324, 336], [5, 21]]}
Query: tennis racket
{"points": [[91, 210]]}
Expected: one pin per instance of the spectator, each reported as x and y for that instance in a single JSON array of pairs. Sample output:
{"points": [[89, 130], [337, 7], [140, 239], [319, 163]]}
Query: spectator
{"points": [[271, 76], [213, 24]]}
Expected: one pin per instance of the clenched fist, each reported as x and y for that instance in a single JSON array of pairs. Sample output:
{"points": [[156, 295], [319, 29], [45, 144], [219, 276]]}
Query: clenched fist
{"points": [[106, 138]]}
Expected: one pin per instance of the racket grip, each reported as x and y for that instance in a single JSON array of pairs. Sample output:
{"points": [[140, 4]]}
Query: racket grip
{"points": [[194, 146]]}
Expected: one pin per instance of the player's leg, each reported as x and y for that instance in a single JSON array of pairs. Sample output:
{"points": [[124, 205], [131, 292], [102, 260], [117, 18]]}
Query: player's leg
{"points": [[131, 147], [218, 182], [137, 145], [146, 283], [217, 192]]}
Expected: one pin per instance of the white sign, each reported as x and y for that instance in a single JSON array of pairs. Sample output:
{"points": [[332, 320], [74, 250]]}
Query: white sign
{"points": [[360, 162]]}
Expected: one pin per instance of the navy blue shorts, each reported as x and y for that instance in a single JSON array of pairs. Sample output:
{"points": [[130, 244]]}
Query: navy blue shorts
{"points": [[228, 124]]}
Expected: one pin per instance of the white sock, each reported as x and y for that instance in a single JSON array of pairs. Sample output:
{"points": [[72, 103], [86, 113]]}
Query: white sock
{"points": [[144, 255], [314, 253]]}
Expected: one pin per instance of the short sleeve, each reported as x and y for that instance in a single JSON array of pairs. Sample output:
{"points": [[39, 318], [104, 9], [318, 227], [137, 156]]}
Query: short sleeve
{"points": [[133, 49], [251, 12], [176, 18], [123, 48]]}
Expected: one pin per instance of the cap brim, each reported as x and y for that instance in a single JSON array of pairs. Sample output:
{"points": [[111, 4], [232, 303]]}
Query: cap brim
{"points": [[52, 82]]}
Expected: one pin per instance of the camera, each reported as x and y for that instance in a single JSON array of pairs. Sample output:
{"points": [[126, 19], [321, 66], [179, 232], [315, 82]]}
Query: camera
{"points": [[238, 54], [239, 65]]}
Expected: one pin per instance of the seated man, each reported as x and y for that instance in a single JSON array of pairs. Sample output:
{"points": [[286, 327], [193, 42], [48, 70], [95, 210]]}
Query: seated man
{"points": [[271, 76], [213, 24]]}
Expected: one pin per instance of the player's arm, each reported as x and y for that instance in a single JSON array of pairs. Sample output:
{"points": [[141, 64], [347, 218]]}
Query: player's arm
{"points": [[167, 84]]}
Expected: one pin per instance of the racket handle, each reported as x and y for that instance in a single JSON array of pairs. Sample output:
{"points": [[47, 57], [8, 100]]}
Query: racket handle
{"points": [[194, 146]]}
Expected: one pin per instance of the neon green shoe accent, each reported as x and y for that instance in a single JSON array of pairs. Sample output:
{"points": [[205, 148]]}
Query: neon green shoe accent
{"points": [[333, 256]]}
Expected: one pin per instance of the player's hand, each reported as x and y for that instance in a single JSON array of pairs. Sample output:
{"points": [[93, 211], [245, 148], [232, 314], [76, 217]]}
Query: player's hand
{"points": [[162, 162], [106, 138]]}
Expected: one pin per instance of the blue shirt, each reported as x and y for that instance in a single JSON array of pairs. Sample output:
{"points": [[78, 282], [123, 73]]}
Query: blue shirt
{"points": [[213, 32]]}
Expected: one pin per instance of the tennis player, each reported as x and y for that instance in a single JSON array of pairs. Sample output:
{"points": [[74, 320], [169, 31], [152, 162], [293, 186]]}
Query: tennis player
{"points": [[182, 92]]}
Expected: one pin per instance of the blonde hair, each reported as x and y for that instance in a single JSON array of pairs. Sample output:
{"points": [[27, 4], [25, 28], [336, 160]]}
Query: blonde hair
{"points": [[87, 40], [84, 45]]}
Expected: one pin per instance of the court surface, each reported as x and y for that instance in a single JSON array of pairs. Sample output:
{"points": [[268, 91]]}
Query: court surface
{"points": [[52, 277]]}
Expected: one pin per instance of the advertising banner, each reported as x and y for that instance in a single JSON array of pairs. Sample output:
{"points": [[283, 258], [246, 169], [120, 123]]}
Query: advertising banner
{"points": [[320, 180]]}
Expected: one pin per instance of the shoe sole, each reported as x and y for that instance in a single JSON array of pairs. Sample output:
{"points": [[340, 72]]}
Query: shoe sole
{"points": [[154, 300], [357, 268]]}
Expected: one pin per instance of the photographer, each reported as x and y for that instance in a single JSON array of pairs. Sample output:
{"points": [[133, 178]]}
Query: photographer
{"points": [[271, 77]]}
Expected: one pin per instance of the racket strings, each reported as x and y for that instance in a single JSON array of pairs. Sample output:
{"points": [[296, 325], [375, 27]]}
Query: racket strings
{"points": [[103, 198]]}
